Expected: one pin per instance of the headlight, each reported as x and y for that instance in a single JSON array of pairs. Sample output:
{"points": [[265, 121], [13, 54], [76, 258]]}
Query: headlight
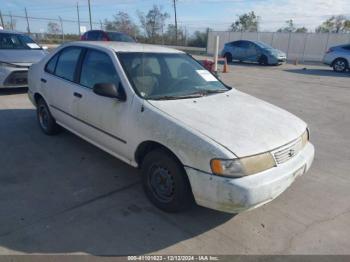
{"points": [[243, 166], [305, 137]]}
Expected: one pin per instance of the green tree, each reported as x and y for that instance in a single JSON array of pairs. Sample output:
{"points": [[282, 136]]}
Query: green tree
{"points": [[335, 24], [153, 23], [53, 28], [199, 39], [122, 23], [290, 28], [247, 22]]}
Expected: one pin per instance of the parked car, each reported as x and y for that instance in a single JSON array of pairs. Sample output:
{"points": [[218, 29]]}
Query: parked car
{"points": [[157, 108], [100, 35], [338, 57], [17, 53], [253, 51]]}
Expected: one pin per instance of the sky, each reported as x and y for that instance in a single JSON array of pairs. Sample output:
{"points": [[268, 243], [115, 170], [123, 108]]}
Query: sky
{"points": [[192, 14]]}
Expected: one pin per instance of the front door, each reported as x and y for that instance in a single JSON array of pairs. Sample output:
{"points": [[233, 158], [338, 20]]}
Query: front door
{"points": [[103, 120]]}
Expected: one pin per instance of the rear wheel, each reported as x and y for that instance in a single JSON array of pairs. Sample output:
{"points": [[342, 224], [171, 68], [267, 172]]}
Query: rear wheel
{"points": [[228, 57], [165, 182], [46, 121], [340, 65]]}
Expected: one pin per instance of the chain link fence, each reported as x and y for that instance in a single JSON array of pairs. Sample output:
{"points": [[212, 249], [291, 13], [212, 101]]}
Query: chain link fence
{"points": [[47, 30]]}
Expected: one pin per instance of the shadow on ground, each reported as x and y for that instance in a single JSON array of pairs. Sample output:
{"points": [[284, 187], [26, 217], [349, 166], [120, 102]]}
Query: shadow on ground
{"points": [[317, 72], [60, 194], [12, 91]]}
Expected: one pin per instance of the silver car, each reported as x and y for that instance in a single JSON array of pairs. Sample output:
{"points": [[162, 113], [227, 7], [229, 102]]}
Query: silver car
{"points": [[253, 51], [338, 57], [17, 53]]}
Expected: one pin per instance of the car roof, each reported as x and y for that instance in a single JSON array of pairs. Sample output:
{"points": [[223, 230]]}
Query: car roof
{"points": [[125, 46], [10, 32]]}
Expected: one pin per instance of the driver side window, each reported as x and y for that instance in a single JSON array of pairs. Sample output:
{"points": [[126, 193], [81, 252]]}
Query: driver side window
{"points": [[97, 68]]}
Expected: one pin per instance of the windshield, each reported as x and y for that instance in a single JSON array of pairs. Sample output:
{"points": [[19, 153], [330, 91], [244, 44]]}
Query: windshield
{"points": [[120, 37], [263, 45], [168, 76], [17, 41]]}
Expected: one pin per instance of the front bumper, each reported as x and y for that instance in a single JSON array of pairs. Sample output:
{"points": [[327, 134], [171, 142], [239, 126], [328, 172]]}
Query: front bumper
{"points": [[234, 195]]}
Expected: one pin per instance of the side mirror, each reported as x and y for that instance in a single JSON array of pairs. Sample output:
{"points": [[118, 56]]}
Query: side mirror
{"points": [[110, 90]]}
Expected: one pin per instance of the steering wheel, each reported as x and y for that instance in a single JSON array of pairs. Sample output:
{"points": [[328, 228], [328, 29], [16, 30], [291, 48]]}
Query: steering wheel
{"points": [[178, 83]]}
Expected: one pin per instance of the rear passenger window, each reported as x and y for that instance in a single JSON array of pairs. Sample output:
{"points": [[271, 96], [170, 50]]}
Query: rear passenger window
{"points": [[347, 47], [97, 68], [51, 65], [67, 62]]}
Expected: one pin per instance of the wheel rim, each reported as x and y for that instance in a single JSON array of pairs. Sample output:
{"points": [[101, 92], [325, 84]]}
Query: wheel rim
{"points": [[161, 183], [339, 65], [43, 117]]}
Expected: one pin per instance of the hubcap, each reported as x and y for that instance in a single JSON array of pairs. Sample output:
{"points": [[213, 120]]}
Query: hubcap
{"points": [[161, 183], [43, 117], [339, 65]]}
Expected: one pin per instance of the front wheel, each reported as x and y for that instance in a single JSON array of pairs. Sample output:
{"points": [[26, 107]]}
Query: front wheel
{"points": [[263, 60], [165, 182], [46, 121], [340, 65]]}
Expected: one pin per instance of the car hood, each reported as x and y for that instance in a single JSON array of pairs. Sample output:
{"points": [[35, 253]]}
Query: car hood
{"points": [[276, 52], [239, 122], [21, 56]]}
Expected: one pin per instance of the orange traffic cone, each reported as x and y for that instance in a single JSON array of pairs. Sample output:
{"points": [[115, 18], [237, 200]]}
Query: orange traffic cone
{"points": [[225, 66]]}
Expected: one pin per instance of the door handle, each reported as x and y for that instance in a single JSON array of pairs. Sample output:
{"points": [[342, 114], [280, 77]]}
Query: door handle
{"points": [[78, 95], [43, 80]]}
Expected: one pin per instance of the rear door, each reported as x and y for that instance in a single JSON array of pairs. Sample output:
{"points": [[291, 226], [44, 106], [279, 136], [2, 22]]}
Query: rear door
{"points": [[251, 52], [238, 51], [59, 81]]}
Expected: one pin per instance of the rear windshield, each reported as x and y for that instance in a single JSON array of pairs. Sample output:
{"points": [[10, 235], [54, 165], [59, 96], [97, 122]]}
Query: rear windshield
{"points": [[119, 37], [17, 41]]}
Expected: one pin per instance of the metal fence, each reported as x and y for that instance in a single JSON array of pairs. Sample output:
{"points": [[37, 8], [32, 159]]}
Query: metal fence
{"points": [[306, 47], [47, 29]]}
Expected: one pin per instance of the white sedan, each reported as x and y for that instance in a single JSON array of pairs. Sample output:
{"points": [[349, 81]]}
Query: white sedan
{"points": [[17, 53], [194, 138]]}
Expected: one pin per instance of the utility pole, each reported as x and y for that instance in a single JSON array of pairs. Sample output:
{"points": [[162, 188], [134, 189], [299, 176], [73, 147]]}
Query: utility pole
{"points": [[61, 28], [78, 19], [90, 15], [175, 22], [2, 20], [28, 29], [11, 20]]}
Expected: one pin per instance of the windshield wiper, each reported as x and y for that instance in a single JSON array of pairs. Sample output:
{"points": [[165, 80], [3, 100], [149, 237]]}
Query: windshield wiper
{"points": [[193, 95], [196, 94]]}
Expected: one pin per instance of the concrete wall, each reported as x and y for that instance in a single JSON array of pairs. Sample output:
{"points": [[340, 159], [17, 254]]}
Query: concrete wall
{"points": [[301, 46]]}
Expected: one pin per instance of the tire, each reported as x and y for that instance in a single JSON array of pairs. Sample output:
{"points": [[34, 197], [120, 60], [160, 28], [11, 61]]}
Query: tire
{"points": [[46, 121], [165, 182], [263, 60], [228, 57], [340, 65]]}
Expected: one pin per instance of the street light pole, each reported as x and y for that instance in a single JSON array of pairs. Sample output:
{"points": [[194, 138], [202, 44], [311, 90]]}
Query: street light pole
{"points": [[90, 15], [78, 19], [28, 29], [175, 22]]}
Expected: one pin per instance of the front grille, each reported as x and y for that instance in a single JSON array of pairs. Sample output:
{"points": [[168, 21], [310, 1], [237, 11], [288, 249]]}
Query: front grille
{"points": [[17, 78], [288, 151]]}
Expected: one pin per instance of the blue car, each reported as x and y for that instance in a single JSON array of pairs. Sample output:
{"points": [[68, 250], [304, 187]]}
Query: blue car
{"points": [[253, 51]]}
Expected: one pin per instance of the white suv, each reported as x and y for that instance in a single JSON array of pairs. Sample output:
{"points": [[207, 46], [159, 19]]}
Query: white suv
{"points": [[158, 109], [338, 57]]}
